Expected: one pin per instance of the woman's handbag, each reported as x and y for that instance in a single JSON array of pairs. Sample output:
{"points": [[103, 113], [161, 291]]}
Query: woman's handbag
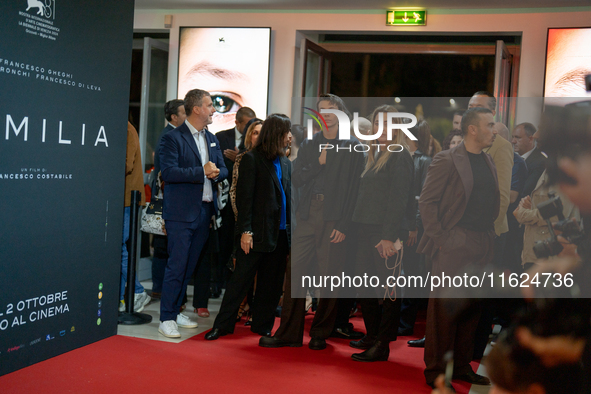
{"points": [[152, 221]]}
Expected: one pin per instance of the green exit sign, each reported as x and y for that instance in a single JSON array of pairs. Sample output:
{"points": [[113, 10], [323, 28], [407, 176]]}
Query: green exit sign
{"points": [[406, 17]]}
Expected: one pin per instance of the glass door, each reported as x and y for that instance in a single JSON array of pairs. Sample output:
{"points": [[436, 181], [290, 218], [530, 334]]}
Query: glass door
{"points": [[502, 85], [153, 97]]}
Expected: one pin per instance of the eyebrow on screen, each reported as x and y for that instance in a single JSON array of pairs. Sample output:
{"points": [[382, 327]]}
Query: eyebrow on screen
{"points": [[574, 77], [208, 69]]}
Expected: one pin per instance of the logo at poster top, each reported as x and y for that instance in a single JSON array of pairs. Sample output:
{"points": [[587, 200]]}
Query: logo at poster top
{"points": [[44, 8]]}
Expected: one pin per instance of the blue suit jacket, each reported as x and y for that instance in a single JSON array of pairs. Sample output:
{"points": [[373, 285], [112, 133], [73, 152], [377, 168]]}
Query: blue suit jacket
{"points": [[182, 172]]}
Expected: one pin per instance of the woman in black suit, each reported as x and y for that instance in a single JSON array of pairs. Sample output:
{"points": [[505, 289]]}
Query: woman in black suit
{"points": [[263, 202], [380, 214]]}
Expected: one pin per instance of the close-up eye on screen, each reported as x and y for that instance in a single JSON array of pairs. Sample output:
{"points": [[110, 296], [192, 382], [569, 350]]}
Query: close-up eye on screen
{"points": [[568, 61], [232, 64]]}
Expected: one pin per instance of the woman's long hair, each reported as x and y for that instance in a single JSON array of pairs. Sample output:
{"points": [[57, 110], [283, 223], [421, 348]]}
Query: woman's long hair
{"points": [[271, 141], [377, 164], [248, 137]]}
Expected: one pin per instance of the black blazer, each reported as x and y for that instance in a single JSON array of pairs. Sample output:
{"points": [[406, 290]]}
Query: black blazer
{"points": [[227, 140], [384, 196], [168, 128], [342, 175], [421, 164], [258, 199], [536, 164]]}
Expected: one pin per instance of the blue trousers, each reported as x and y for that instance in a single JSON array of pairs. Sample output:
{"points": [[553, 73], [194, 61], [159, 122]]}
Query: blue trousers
{"points": [[185, 243]]}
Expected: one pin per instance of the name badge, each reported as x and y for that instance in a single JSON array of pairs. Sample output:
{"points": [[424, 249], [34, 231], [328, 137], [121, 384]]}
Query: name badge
{"points": [[212, 144]]}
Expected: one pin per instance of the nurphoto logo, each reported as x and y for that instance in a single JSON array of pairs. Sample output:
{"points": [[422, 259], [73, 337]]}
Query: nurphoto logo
{"points": [[394, 121]]}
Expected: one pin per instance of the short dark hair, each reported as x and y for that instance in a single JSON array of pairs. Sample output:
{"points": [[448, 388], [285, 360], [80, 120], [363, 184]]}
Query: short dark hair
{"points": [[335, 100], [472, 117], [297, 132], [172, 108], [458, 113], [194, 98], [272, 136], [450, 136], [492, 101], [529, 128], [244, 112]]}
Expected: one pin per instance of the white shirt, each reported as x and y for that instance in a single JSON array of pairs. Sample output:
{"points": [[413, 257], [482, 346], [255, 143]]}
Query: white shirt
{"points": [[201, 142], [526, 154], [237, 137]]}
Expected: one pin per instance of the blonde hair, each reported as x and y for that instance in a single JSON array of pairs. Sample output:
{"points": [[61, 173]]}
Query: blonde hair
{"points": [[377, 164], [248, 137]]}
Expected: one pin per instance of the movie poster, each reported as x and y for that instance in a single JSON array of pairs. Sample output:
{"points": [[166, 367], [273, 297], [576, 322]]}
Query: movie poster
{"points": [[65, 74]]}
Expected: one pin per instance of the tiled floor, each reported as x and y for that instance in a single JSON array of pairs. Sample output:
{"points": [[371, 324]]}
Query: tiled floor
{"points": [[150, 330]]}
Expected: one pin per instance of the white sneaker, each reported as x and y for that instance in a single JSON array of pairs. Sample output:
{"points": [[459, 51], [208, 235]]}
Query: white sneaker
{"points": [[140, 300], [121, 306], [169, 329], [183, 321]]}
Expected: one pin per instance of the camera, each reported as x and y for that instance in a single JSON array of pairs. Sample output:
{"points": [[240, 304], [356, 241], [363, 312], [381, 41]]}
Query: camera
{"points": [[569, 229]]}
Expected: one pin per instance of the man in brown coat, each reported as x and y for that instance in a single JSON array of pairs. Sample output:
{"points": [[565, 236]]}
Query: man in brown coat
{"points": [[459, 204]]}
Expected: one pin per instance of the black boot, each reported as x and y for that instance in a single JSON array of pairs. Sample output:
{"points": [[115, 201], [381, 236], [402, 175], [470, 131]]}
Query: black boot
{"points": [[364, 343], [378, 352]]}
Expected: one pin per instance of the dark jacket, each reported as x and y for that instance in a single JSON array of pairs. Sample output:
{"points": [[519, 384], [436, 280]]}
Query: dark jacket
{"points": [[536, 164], [258, 199], [422, 162], [383, 196], [445, 195], [342, 174], [182, 173], [227, 140], [155, 190]]}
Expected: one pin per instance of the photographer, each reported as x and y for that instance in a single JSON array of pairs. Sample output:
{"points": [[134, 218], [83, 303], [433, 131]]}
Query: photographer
{"points": [[536, 228], [515, 369], [567, 134]]}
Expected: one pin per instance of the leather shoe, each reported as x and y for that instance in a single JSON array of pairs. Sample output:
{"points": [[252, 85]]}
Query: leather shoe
{"points": [[404, 332], [346, 332], [202, 312], [215, 333], [380, 351], [417, 342], [473, 378], [364, 343], [317, 344], [276, 342]]}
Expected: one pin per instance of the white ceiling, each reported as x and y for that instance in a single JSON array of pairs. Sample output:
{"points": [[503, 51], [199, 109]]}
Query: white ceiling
{"points": [[353, 4]]}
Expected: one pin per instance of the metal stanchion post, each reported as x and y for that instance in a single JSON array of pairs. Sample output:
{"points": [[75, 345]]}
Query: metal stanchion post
{"points": [[130, 317]]}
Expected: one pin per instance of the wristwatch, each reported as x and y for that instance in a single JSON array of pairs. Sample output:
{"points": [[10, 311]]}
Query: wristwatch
{"points": [[247, 232]]}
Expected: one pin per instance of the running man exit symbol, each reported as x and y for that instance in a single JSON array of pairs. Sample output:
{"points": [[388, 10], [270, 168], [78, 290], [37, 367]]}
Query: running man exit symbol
{"points": [[406, 17]]}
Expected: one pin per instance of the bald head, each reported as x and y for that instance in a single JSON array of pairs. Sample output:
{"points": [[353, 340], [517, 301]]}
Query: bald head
{"points": [[502, 130]]}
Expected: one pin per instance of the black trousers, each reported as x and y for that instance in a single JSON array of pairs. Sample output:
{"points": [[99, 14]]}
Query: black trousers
{"points": [[160, 243], [381, 321], [270, 270]]}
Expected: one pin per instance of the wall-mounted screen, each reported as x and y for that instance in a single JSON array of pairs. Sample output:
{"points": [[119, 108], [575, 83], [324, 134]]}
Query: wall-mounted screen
{"points": [[232, 64], [568, 60]]}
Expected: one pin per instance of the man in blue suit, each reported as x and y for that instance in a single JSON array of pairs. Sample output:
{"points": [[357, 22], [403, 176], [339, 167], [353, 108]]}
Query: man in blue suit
{"points": [[191, 163]]}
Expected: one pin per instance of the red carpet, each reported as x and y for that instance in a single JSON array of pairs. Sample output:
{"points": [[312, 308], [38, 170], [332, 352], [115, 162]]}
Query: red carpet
{"points": [[232, 364]]}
